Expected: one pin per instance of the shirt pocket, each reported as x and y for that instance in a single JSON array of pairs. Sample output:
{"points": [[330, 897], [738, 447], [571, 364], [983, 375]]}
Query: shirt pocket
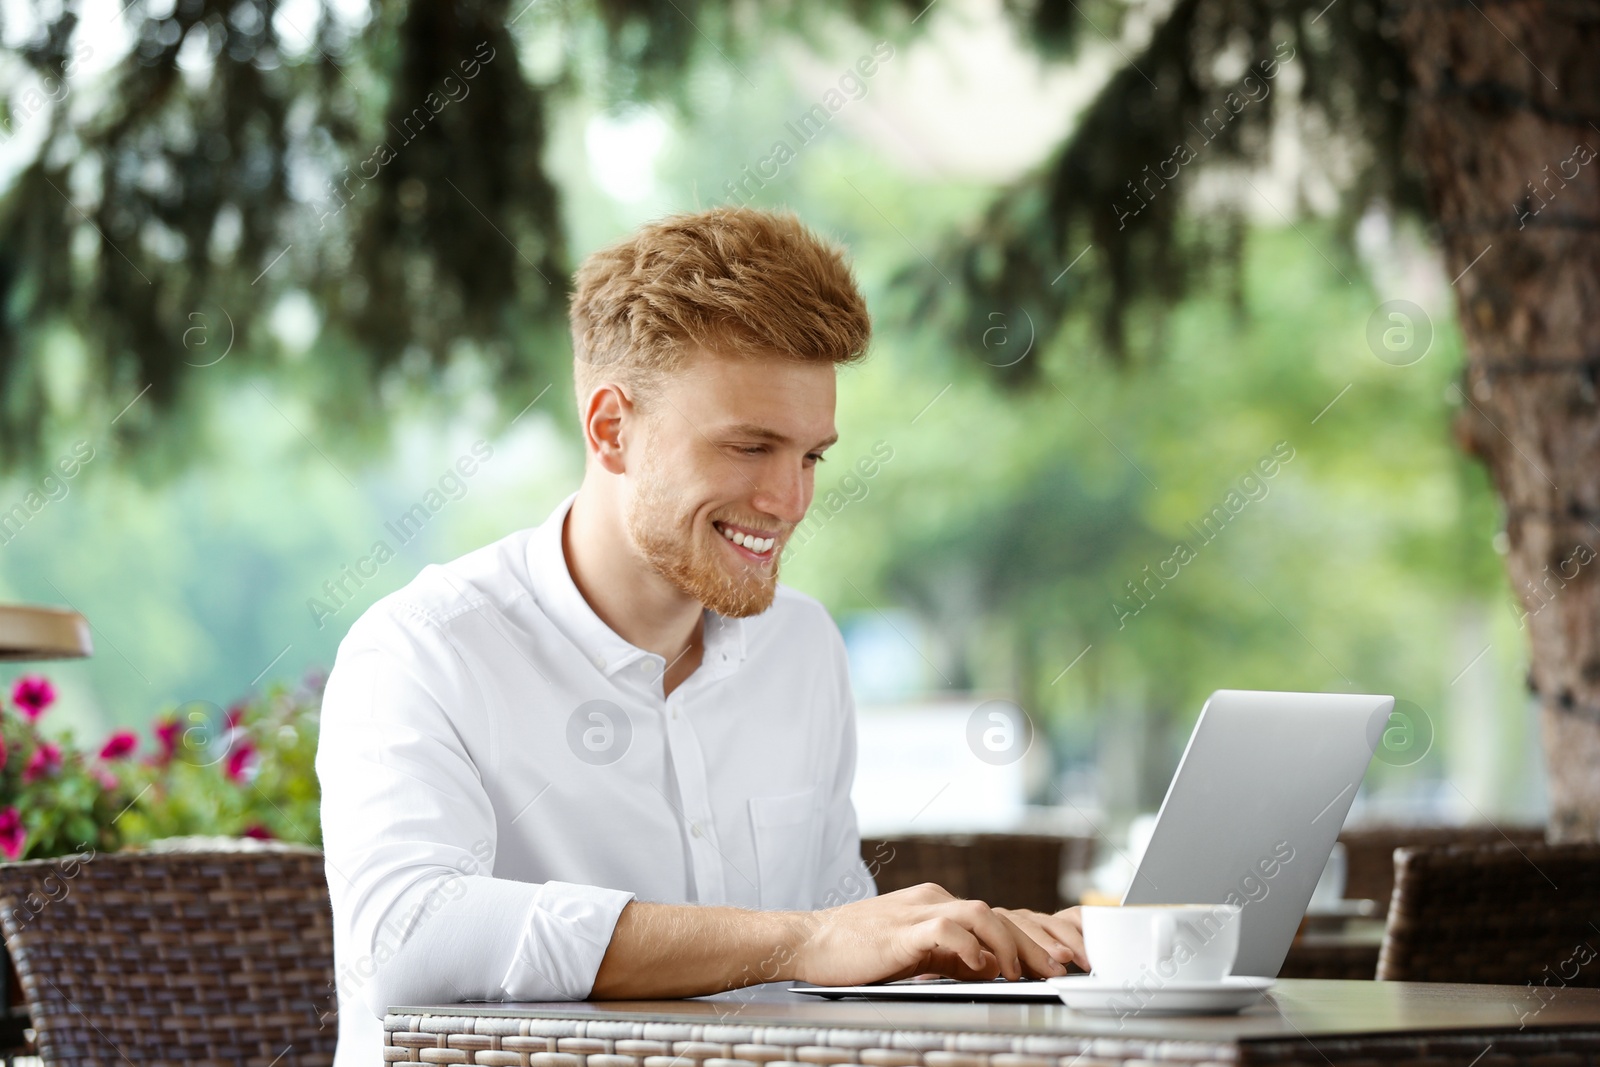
{"points": [[787, 831]]}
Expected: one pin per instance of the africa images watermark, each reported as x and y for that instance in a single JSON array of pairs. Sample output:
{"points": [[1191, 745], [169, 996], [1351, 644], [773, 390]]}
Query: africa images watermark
{"points": [[1252, 487], [53, 89], [451, 90], [1581, 956], [852, 86], [1581, 156], [397, 929], [851, 488], [1254, 886], [1537, 597], [53, 887], [452, 485], [51, 488], [1255, 86]]}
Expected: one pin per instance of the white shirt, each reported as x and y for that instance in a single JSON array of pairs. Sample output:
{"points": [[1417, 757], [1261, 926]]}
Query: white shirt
{"points": [[501, 775]]}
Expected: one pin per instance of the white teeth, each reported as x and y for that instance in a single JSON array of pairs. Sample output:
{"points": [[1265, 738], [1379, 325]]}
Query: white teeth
{"points": [[754, 544]]}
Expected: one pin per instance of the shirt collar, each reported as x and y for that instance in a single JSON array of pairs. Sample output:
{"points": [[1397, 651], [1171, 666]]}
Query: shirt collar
{"points": [[608, 652]]}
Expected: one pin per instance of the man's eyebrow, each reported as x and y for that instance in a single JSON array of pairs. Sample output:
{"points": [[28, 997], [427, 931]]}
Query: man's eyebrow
{"points": [[767, 434]]}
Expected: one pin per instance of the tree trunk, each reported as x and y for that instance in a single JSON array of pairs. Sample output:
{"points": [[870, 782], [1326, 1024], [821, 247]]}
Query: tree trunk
{"points": [[1506, 125]]}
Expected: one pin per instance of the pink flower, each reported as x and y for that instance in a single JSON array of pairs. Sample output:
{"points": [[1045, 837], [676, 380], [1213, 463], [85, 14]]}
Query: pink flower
{"points": [[107, 780], [32, 694], [236, 712], [13, 837], [239, 762], [120, 744], [257, 831], [4, 752], [166, 731], [46, 759]]}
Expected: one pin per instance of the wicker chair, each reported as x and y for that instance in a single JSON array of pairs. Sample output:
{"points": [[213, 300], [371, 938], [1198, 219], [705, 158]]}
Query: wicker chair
{"points": [[1369, 851], [1504, 914], [173, 956], [1004, 870]]}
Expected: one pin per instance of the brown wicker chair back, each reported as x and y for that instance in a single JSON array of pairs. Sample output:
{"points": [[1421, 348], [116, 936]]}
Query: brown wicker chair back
{"points": [[1369, 851], [1003, 870], [190, 957], [1505, 914]]}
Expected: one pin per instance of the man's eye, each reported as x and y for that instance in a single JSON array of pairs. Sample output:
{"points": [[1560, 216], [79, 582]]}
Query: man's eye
{"points": [[816, 457], [752, 450]]}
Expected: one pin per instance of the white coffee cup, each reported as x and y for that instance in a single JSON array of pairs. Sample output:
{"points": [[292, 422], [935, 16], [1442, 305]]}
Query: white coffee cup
{"points": [[1162, 942]]}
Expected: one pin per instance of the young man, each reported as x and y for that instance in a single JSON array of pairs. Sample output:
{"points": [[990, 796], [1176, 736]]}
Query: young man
{"points": [[610, 756]]}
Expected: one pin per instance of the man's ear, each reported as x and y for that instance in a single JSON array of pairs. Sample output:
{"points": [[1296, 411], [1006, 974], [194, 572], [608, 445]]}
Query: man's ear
{"points": [[607, 411]]}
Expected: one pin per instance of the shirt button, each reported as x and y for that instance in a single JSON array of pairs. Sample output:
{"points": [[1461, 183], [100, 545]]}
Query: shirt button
{"points": [[674, 713], [694, 828], [600, 661]]}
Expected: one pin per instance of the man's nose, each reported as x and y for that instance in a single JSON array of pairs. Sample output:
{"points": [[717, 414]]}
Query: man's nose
{"points": [[785, 493]]}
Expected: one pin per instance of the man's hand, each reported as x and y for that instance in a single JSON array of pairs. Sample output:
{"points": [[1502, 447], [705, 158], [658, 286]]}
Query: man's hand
{"points": [[1060, 933], [924, 929]]}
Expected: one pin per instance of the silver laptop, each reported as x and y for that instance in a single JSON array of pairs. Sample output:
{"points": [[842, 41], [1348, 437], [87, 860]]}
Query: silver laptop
{"points": [[1250, 818]]}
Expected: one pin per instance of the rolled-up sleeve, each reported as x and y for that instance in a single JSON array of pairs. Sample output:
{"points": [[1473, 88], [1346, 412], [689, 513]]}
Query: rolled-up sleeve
{"points": [[409, 835]]}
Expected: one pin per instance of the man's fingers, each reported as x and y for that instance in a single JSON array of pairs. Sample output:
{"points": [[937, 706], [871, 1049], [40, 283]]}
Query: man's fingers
{"points": [[1067, 928], [945, 934], [1056, 926], [1031, 924], [1034, 954], [1019, 954], [1058, 934], [1064, 944], [996, 936]]}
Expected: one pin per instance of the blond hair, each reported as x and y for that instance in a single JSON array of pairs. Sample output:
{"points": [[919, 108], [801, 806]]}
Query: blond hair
{"points": [[736, 281]]}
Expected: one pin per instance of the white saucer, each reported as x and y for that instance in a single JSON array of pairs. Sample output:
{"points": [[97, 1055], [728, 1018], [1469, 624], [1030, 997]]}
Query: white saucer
{"points": [[1086, 992]]}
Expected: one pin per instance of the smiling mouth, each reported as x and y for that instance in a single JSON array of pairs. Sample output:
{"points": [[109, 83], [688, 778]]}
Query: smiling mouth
{"points": [[755, 544]]}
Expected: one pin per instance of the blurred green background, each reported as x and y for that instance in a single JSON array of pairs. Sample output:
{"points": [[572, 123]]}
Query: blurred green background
{"points": [[992, 552]]}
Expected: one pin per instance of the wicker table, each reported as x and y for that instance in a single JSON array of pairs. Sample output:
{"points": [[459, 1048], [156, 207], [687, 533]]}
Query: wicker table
{"points": [[1305, 1023]]}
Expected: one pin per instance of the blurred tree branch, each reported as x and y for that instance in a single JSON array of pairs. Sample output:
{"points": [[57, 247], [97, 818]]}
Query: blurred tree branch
{"points": [[394, 173]]}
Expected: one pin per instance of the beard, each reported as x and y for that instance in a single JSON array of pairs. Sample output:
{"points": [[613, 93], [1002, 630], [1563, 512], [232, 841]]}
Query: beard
{"points": [[672, 542]]}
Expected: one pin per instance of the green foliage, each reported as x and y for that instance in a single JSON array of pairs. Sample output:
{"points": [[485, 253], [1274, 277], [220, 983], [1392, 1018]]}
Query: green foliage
{"points": [[67, 810], [247, 772], [244, 154], [54, 797], [1203, 95], [389, 168], [398, 173], [1011, 522], [1023, 494]]}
